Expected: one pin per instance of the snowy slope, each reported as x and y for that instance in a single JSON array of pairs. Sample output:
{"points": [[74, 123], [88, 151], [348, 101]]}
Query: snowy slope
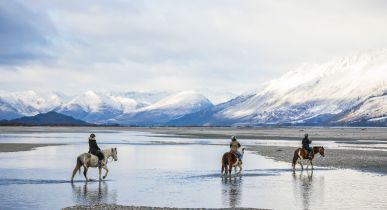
{"points": [[91, 105], [28, 103], [167, 109], [372, 110], [96, 107], [311, 94]]}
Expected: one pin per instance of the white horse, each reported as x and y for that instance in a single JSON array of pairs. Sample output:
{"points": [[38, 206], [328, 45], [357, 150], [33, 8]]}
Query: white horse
{"points": [[88, 160]]}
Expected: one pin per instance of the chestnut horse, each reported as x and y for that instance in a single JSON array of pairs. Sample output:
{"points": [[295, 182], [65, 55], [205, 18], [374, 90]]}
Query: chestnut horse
{"points": [[301, 154], [230, 160]]}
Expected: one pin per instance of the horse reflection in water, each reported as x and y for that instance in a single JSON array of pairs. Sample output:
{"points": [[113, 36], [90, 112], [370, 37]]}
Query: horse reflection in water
{"points": [[304, 187], [93, 193], [231, 191]]}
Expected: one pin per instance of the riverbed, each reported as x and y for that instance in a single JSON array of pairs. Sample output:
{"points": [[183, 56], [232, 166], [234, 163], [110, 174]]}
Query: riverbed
{"points": [[173, 172]]}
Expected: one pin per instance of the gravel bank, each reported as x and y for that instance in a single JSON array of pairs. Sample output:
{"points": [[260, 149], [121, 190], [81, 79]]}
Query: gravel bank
{"points": [[119, 207], [363, 160], [16, 147]]}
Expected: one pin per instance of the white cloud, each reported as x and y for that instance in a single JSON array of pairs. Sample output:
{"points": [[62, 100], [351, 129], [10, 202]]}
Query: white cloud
{"points": [[226, 46]]}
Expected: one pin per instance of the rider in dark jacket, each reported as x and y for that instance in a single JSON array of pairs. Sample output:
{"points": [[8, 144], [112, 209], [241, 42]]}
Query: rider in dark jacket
{"points": [[94, 149], [305, 144]]}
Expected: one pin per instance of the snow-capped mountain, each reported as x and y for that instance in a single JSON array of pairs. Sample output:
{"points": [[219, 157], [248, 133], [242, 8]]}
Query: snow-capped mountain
{"points": [[165, 110], [341, 91], [28, 103], [91, 106], [103, 107], [97, 107]]}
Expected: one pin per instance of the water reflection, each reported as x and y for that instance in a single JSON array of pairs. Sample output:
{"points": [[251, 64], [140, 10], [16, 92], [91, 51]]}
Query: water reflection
{"points": [[304, 186], [231, 191], [93, 193]]}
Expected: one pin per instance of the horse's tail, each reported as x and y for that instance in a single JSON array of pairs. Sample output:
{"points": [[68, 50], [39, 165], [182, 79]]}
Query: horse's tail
{"points": [[224, 162], [295, 158], [77, 168]]}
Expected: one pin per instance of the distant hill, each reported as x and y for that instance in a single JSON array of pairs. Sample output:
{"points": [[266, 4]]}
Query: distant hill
{"points": [[47, 119]]}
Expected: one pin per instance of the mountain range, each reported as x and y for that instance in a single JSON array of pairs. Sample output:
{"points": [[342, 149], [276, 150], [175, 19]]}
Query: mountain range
{"points": [[347, 91]]}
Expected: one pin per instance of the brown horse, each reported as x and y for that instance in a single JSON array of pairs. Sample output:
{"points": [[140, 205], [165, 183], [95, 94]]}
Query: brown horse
{"points": [[230, 160], [301, 154]]}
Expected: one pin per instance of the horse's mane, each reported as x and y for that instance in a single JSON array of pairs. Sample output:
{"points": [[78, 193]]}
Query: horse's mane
{"points": [[108, 150]]}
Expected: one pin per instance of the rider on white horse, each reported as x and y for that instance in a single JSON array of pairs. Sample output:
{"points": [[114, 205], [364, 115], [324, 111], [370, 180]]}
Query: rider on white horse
{"points": [[94, 149]]}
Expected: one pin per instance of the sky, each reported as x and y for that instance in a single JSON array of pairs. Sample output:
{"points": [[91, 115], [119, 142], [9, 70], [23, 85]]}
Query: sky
{"points": [[206, 45]]}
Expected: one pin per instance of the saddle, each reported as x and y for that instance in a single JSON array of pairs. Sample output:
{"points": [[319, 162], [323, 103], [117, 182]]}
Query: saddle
{"points": [[236, 156], [308, 156]]}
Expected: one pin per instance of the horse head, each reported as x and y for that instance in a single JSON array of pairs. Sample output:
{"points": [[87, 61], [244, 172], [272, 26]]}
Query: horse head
{"points": [[321, 151], [114, 153]]}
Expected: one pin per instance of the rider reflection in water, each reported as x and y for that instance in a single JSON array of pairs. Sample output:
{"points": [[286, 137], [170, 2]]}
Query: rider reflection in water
{"points": [[94, 149], [234, 146]]}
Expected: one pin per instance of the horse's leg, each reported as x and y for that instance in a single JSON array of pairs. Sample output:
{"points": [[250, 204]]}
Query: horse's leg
{"points": [[300, 162], [311, 163], [294, 163], [106, 171], [229, 165], [240, 169], [85, 173], [224, 168], [100, 172]]}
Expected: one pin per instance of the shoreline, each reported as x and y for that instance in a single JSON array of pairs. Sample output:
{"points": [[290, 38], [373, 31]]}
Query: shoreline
{"points": [[20, 147]]}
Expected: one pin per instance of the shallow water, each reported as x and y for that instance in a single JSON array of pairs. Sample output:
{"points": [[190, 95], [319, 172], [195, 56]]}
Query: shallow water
{"points": [[176, 175]]}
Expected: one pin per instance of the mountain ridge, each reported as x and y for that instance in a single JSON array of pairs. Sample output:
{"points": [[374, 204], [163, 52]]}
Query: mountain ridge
{"points": [[46, 119]]}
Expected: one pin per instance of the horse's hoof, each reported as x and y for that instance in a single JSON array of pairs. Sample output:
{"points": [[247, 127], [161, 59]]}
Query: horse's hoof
{"points": [[104, 177]]}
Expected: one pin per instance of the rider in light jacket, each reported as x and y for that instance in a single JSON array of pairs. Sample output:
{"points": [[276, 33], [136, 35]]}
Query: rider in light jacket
{"points": [[234, 146]]}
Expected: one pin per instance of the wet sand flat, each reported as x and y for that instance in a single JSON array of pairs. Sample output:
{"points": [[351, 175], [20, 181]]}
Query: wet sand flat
{"points": [[17, 147]]}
